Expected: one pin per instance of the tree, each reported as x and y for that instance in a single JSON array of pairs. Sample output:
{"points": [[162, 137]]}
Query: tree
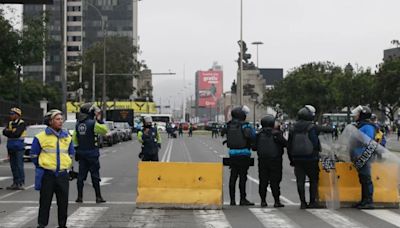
{"points": [[388, 88], [119, 59]]}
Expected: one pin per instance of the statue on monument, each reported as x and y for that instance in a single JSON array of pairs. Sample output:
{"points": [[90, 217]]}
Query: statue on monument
{"points": [[246, 57]]}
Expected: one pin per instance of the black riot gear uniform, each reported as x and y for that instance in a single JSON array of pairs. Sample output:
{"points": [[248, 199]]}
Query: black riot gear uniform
{"points": [[269, 145]]}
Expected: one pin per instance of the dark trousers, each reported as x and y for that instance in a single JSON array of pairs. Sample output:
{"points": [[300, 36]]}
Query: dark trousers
{"points": [[17, 166], [239, 167], [92, 165], [367, 187], [311, 170], [147, 157], [60, 186], [269, 173], [214, 134]]}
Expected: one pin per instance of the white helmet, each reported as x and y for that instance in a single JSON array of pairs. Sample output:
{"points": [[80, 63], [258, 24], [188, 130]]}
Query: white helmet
{"points": [[147, 119], [311, 109], [245, 109]]}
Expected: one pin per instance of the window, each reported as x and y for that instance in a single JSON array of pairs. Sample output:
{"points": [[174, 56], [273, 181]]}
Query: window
{"points": [[74, 28], [74, 18], [73, 48]]}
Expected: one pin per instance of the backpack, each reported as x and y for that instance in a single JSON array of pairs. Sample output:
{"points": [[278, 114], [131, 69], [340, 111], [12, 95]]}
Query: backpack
{"points": [[267, 146], [235, 136], [301, 144]]}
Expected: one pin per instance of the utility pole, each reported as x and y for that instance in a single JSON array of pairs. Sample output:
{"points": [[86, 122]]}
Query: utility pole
{"points": [[94, 83], [104, 65], [63, 73], [240, 81]]}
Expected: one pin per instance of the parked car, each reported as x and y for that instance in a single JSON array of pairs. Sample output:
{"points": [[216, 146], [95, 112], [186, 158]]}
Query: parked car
{"points": [[31, 131], [70, 126], [125, 128], [113, 136]]}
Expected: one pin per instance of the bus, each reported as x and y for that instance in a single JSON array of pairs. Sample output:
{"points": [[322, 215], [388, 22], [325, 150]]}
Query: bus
{"points": [[160, 119], [336, 118]]}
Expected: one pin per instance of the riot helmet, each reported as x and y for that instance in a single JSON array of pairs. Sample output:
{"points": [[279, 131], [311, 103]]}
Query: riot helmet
{"points": [[238, 113], [50, 115], [362, 112], [268, 121], [306, 113]]}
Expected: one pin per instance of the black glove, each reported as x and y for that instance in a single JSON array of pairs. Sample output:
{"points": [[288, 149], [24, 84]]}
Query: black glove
{"points": [[77, 157], [291, 164], [159, 145]]}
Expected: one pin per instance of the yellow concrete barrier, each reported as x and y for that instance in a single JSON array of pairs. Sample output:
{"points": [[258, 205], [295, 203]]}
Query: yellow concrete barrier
{"points": [[179, 185], [384, 177]]}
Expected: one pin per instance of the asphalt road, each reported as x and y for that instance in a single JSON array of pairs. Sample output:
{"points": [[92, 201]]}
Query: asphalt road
{"points": [[119, 177]]}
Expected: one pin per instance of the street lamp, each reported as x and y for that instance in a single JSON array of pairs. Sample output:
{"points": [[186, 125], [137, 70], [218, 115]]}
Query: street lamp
{"points": [[257, 43], [240, 82], [254, 98], [103, 29]]}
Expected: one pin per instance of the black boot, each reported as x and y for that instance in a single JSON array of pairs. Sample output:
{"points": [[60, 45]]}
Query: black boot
{"points": [[99, 198], [245, 202], [278, 203], [80, 193], [264, 203]]}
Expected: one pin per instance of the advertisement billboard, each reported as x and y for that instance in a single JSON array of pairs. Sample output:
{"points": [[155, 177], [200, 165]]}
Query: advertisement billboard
{"points": [[209, 88]]}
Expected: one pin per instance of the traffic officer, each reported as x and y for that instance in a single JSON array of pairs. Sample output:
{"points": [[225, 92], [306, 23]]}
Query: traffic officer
{"points": [[88, 127], [51, 153], [150, 139], [364, 124], [303, 150], [240, 137], [269, 145], [15, 132]]}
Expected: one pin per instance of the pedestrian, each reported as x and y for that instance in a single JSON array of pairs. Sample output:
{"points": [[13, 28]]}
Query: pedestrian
{"points": [[269, 146], [214, 130], [51, 152], [88, 127], [180, 130], [303, 150], [16, 132], [362, 115], [190, 129], [150, 139], [240, 138], [398, 133]]}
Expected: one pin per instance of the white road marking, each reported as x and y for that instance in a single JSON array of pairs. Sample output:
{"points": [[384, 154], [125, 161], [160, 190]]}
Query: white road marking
{"points": [[146, 218], [85, 216], [113, 151], [273, 218], [286, 200], [169, 144], [4, 178], [105, 181], [15, 192], [215, 151], [19, 218], [385, 215], [335, 219], [168, 159], [187, 152], [211, 218]]}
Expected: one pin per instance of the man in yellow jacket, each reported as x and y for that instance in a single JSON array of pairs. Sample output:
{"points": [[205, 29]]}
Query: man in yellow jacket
{"points": [[51, 153]]}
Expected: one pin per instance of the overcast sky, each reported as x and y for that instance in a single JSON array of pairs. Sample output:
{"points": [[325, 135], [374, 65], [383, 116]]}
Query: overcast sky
{"points": [[189, 35]]}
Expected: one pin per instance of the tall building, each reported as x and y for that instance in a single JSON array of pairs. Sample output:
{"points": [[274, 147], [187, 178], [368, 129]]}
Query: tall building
{"points": [[271, 76], [209, 88], [392, 53], [84, 29]]}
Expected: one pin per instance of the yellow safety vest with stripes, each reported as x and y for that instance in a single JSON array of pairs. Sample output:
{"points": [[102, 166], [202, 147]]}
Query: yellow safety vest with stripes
{"points": [[50, 144]]}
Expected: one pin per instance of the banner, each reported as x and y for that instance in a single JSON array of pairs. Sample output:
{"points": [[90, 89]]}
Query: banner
{"points": [[137, 106], [209, 88]]}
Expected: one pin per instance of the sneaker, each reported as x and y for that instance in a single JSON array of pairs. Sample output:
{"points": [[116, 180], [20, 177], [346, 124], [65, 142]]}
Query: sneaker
{"points": [[366, 206], [278, 204], [264, 204], [245, 202], [303, 205], [315, 205]]}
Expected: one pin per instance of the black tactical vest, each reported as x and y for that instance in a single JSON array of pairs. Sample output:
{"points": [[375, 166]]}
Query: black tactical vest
{"points": [[235, 136], [87, 140], [266, 145]]}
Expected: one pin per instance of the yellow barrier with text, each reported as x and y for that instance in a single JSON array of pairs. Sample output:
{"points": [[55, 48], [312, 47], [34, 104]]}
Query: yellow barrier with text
{"points": [[179, 185], [384, 177]]}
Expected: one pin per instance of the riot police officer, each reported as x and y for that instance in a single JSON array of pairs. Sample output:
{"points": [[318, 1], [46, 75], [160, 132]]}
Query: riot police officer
{"points": [[303, 150], [363, 115], [240, 137], [269, 145], [150, 139], [88, 127]]}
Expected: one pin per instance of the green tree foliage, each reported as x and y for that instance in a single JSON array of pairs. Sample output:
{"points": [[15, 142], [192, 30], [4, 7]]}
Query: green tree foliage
{"points": [[119, 59]]}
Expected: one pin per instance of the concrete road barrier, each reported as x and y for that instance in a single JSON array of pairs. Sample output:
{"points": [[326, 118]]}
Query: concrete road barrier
{"points": [[180, 185], [385, 177]]}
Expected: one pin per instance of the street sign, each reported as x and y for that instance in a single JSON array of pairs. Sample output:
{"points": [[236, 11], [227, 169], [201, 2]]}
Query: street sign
{"points": [[27, 1]]}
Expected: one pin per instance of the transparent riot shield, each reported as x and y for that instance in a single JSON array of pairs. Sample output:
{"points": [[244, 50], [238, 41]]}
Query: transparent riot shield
{"points": [[328, 160]]}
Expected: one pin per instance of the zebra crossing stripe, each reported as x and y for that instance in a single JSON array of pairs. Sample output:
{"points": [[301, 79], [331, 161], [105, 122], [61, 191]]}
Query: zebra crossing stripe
{"points": [[386, 215], [273, 218], [146, 218], [335, 219], [211, 218], [85, 216], [19, 218]]}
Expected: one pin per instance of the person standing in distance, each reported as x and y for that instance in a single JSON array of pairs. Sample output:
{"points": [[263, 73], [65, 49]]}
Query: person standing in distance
{"points": [[240, 138], [362, 117], [269, 146], [303, 150], [150, 139], [51, 152], [88, 127], [15, 132]]}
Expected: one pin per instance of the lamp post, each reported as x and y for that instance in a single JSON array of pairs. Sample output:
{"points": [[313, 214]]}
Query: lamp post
{"points": [[240, 82], [257, 43], [254, 98]]}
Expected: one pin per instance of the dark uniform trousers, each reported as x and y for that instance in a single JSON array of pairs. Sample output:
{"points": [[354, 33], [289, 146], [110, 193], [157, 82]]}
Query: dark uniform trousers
{"points": [[269, 173], [239, 167], [147, 157], [309, 168], [89, 164], [60, 186]]}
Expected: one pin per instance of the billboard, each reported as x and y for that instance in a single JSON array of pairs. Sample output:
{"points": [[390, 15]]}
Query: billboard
{"points": [[137, 106], [209, 88]]}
